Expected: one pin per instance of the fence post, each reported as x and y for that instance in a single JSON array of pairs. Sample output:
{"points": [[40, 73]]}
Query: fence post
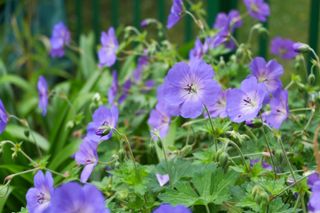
{"points": [[314, 28], [264, 39], [115, 13], [188, 26], [79, 14], [136, 13], [213, 9], [161, 11], [96, 18]]}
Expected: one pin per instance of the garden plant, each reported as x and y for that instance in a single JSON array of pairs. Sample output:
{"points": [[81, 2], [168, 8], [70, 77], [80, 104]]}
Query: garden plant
{"points": [[138, 126]]}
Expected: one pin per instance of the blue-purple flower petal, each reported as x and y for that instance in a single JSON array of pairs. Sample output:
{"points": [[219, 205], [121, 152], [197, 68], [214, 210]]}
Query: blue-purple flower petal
{"points": [[43, 95]]}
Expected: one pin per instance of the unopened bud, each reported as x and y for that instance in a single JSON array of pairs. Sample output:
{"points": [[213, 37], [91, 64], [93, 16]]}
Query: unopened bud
{"points": [[259, 194], [301, 47], [311, 78], [223, 159], [186, 150]]}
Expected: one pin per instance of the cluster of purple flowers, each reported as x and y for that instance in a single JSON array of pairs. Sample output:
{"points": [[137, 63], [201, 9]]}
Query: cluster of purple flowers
{"points": [[59, 38], [225, 25], [72, 197], [104, 121], [69, 197], [189, 88]]}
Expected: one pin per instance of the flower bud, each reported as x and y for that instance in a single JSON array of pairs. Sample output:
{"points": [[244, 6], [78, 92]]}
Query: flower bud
{"points": [[259, 194], [186, 150], [311, 78], [301, 47], [223, 159]]}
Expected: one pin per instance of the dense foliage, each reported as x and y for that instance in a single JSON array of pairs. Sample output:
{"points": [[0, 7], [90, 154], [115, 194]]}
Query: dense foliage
{"points": [[134, 125]]}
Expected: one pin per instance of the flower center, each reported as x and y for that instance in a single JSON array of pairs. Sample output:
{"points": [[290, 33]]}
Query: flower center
{"points": [[282, 51], [262, 77], [42, 197], [104, 129], [254, 7], [248, 102], [191, 88]]}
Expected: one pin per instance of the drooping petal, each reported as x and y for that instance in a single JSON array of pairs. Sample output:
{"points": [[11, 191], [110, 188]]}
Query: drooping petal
{"points": [[191, 108], [86, 172]]}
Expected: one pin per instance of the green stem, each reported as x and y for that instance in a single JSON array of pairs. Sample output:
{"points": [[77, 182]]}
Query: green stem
{"points": [[309, 120], [166, 159], [301, 109], [303, 205], [289, 85], [286, 157], [130, 150], [242, 156], [207, 208], [212, 128], [288, 187], [24, 122], [270, 152]]}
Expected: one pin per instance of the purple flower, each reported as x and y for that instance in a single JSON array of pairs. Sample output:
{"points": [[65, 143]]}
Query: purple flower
{"points": [[245, 103], [283, 48], [232, 20], [125, 90], [279, 109], [175, 13], [87, 156], [59, 38], [314, 201], [3, 117], [142, 62], [144, 23], [39, 197], [264, 164], [267, 73], [189, 87], [162, 179], [199, 50], [109, 46], [166, 208], [113, 90], [313, 178], [72, 197], [223, 37], [219, 108], [257, 9], [43, 95], [103, 123], [159, 122], [148, 85]]}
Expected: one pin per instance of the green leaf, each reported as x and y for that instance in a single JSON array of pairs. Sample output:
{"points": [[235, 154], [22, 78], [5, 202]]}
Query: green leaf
{"points": [[88, 64], [211, 185], [19, 133], [4, 194], [182, 194], [19, 82]]}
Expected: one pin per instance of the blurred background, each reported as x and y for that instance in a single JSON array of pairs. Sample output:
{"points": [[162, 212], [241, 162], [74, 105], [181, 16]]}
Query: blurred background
{"points": [[294, 19]]}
